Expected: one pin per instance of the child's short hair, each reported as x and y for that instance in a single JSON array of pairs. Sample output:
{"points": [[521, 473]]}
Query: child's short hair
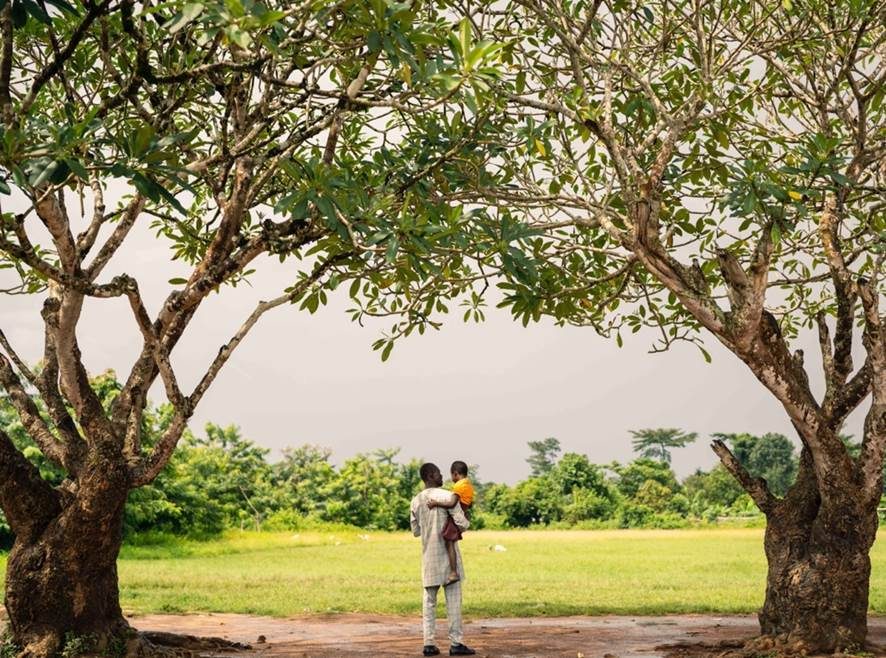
{"points": [[459, 468]]}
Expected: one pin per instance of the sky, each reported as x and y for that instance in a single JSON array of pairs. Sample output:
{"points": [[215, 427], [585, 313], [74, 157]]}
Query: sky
{"points": [[475, 392]]}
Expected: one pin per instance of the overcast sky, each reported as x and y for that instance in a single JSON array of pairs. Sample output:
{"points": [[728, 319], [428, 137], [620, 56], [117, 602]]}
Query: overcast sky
{"points": [[472, 392]]}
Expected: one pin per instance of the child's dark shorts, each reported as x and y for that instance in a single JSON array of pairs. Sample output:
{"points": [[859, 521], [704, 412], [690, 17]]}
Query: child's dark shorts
{"points": [[452, 532]]}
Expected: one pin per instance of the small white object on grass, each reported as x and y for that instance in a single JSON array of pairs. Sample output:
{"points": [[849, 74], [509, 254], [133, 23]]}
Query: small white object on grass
{"points": [[498, 548], [364, 537]]}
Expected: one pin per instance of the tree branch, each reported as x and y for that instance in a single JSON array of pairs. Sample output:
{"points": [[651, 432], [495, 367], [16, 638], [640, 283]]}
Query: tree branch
{"points": [[873, 446], [30, 416], [757, 488], [227, 349], [27, 500]]}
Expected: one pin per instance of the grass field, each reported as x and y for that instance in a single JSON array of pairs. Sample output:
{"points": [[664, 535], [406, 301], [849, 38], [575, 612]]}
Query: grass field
{"points": [[540, 573]]}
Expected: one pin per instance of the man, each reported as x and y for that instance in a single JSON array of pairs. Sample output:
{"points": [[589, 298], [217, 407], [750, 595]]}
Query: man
{"points": [[428, 524]]}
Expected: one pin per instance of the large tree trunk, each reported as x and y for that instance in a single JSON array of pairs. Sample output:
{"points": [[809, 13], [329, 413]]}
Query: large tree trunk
{"points": [[819, 568], [62, 579]]}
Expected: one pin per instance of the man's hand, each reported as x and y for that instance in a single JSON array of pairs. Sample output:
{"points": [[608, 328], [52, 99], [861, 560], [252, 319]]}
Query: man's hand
{"points": [[432, 504]]}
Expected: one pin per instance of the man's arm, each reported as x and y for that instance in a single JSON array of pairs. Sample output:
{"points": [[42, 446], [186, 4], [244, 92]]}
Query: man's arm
{"points": [[413, 520]]}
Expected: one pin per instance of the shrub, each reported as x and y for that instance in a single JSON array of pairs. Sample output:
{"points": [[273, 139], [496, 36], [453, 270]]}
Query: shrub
{"points": [[635, 515], [585, 505]]}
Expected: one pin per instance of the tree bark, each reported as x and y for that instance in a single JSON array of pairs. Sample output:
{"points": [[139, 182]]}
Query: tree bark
{"points": [[819, 568], [62, 578]]}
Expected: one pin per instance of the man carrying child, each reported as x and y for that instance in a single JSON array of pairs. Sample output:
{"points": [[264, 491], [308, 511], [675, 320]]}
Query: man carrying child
{"points": [[428, 522]]}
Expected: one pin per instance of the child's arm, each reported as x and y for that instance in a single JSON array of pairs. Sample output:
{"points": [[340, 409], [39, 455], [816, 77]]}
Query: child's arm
{"points": [[452, 503]]}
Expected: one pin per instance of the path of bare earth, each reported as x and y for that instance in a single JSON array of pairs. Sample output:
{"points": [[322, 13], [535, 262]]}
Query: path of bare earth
{"points": [[343, 635]]}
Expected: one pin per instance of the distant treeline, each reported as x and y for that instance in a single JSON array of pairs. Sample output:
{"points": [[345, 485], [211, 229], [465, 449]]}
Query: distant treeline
{"points": [[220, 480]]}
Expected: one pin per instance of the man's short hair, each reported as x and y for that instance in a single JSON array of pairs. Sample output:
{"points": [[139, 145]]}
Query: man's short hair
{"points": [[427, 470], [460, 468]]}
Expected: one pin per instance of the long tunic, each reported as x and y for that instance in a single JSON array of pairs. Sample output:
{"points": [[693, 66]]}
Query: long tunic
{"points": [[428, 524]]}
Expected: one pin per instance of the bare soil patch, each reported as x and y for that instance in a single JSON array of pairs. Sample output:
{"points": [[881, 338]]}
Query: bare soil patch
{"points": [[342, 635]]}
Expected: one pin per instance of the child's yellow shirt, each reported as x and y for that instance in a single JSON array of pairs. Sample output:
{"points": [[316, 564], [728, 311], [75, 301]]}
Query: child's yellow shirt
{"points": [[465, 491]]}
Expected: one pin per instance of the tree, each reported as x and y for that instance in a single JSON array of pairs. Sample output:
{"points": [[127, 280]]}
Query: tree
{"points": [[233, 474], [658, 443], [631, 477], [715, 170], [324, 135], [771, 457], [303, 473], [716, 487], [574, 471], [532, 501], [370, 491], [543, 456]]}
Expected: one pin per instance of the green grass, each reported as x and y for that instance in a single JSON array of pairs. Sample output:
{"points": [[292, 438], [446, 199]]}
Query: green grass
{"points": [[541, 573]]}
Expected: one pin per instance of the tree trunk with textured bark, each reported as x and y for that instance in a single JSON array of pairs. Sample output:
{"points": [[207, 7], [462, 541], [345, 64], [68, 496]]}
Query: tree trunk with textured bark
{"points": [[61, 577], [819, 569]]}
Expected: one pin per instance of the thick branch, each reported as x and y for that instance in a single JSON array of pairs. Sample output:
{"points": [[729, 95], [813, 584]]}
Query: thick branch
{"points": [[873, 446], [17, 360], [161, 356], [6, 32], [28, 502], [845, 296], [30, 416], [851, 395], [112, 244], [54, 218], [72, 374], [756, 488], [48, 384]]}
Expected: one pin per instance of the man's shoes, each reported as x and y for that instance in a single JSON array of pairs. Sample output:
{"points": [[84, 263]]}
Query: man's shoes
{"points": [[461, 650], [430, 650]]}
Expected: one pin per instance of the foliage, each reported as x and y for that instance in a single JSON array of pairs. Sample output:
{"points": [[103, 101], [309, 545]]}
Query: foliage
{"points": [[543, 455], [219, 479], [630, 477], [771, 456], [717, 488], [658, 443]]}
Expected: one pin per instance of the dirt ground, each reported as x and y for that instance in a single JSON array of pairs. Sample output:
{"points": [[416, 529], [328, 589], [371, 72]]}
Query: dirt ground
{"points": [[341, 635]]}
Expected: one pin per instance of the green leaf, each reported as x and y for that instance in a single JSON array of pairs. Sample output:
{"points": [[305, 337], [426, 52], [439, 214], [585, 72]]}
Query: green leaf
{"points": [[142, 139], [19, 14], [270, 17], [37, 12], [520, 83], [177, 281], [45, 174], [78, 169], [386, 352], [240, 37], [464, 37]]}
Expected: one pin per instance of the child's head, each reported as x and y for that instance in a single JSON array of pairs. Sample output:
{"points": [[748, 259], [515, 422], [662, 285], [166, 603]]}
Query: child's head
{"points": [[459, 471]]}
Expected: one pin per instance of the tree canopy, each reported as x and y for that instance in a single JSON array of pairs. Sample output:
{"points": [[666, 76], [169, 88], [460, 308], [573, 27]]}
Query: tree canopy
{"points": [[658, 443]]}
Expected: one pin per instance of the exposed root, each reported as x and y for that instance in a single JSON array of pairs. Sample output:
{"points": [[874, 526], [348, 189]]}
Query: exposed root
{"points": [[766, 646], [171, 645], [136, 645]]}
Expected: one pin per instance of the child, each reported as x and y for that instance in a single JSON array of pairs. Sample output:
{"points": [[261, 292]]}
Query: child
{"points": [[463, 494]]}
